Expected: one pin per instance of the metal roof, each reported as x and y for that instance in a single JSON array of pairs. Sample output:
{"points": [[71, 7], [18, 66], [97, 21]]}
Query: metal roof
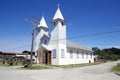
{"points": [[71, 44]]}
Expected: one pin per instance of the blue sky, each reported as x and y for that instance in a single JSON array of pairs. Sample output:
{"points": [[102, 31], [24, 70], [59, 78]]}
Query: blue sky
{"points": [[83, 17]]}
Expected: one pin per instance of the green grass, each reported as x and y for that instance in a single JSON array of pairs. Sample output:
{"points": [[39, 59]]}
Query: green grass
{"points": [[116, 69], [36, 68], [76, 65], [6, 64], [1, 64]]}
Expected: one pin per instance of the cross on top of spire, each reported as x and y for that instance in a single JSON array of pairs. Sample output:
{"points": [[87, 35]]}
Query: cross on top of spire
{"points": [[58, 14], [58, 5], [43, 14]]}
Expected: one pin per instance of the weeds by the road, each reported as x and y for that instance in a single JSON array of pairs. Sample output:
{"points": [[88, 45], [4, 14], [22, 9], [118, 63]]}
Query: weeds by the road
{"points": [[116, 69]]}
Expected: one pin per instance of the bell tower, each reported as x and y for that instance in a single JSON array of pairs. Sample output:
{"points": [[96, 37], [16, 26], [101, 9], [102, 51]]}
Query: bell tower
{"points": [[42, 33], [58, 34], [58, 38]]}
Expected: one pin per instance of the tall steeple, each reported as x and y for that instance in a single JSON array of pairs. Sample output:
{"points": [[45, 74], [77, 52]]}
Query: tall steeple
{"points": [[59, 28], [42, 36], [58, 14], [42, 23], [58, 17]]}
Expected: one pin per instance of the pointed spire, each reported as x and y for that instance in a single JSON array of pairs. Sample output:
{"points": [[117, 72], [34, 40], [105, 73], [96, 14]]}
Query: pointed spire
{"points": [[58, 14], [43, 22]]}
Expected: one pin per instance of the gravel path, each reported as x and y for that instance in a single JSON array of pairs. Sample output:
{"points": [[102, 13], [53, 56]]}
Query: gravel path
{"points": [[96, 72]]}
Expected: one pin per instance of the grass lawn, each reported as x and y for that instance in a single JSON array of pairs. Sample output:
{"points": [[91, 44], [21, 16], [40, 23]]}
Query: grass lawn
{"points": [[116, 69], [76, 65], [35, 68], [6, 64], [1, 64]]}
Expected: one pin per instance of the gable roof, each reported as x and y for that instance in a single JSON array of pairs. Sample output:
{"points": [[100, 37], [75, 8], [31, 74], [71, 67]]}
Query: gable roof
{"points": [[43, 47], [45, 36], [71, 44]]}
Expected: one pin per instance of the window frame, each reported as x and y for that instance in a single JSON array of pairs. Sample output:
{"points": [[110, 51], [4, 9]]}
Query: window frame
{"points": [[71, 54], [77, 54], [54, 55], [82, 55]]}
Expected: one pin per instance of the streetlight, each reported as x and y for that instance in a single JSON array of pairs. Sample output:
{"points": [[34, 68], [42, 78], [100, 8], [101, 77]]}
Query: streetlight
{"points": [[34, 21]]}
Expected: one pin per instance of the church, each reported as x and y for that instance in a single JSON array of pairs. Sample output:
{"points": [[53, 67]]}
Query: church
{"points": [[54, 49]]}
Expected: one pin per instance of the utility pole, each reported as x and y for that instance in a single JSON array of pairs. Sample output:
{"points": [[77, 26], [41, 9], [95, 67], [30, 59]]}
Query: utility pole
{"points": [[34, 21]]}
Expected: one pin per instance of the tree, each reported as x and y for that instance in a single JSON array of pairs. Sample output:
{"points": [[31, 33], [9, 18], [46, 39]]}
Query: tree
{"points": [[107, 54], [96, 51]]}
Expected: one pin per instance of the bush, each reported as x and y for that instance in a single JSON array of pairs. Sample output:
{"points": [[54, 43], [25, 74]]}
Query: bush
{"points": [[26, 63], [11, 61]]}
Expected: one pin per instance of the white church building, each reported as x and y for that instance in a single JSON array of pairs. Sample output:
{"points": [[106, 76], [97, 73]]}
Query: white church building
{"points": [[54, 49]]}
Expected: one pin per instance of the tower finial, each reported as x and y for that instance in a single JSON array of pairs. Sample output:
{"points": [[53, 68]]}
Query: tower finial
{"points": [[43, 14], [58, 5]]}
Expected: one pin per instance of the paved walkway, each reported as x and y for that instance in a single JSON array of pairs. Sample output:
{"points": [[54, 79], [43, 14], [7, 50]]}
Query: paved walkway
{"points": [[96, 72]]}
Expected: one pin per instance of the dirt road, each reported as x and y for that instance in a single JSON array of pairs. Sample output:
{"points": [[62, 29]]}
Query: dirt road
{"points": [[96, 72]]}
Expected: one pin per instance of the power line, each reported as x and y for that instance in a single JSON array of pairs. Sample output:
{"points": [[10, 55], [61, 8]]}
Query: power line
{"points": [[19, 47], [82, 36], [90, 35]]}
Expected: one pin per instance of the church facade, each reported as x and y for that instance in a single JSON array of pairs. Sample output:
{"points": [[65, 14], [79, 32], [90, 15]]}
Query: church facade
{"points": [[54, 49]]}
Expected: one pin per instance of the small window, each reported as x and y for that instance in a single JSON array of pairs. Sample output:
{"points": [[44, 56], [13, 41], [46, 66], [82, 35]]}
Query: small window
{"points": [[54, 53], [77, 54], [62, 53], [62, 23], [45, 42], [82, 55], [71, 54], [54, 23]]}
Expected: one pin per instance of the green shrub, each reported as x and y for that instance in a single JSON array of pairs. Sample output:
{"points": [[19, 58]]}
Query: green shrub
{"points": [[11, 61], [26, 62]]}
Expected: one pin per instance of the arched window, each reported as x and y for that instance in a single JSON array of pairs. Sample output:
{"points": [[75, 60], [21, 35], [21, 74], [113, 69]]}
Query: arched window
{"points": [[54, 53], [71, 54], [77, 54], [45, 42], [62, 23], [82, 55], [54, 23]]}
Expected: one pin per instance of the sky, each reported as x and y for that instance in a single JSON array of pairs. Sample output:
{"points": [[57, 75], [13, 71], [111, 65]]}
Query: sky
{"points": [[83, 17]]}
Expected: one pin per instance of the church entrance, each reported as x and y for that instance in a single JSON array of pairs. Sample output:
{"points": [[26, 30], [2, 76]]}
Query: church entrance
{"points": [[44, 57]]}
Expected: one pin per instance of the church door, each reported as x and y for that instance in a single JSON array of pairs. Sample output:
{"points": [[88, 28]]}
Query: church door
{"points": [[48, 57]]}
